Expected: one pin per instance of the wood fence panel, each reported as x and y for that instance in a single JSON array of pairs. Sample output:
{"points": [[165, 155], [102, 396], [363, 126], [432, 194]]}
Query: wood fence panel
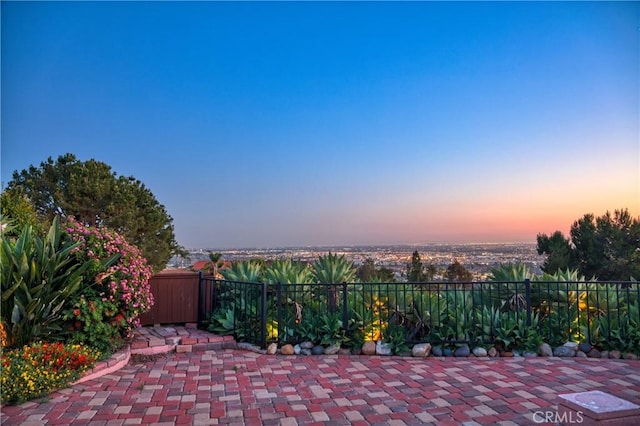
{"points": [[176, 298]]}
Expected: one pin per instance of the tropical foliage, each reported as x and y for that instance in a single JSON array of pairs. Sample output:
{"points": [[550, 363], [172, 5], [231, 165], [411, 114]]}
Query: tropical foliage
{"points": [[39, 277], [68, 298], [515, 311]]}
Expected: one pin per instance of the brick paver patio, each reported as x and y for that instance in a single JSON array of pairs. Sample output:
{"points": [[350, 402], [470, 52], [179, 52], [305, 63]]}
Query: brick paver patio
{"points": [[244, 388]]}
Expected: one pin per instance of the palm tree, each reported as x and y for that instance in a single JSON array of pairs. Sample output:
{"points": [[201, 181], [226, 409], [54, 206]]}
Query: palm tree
{"points": [[214, 263]]}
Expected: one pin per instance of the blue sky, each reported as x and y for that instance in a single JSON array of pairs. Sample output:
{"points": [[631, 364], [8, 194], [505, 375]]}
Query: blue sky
{"points": [[277, 124]]}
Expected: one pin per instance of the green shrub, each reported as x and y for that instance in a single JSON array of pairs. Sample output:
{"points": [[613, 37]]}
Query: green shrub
{"points": [[396, 336], [88, 325], [106, 312], [330, 330], [39, 277]]}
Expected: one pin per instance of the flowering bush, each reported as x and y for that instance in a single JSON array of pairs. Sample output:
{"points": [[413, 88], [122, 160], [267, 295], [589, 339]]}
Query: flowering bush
{"points": [[40, 368], [88, 321], [107, 312]]}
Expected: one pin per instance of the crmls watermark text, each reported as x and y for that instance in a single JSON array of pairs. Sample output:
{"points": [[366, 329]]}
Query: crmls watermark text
{"points": [[568, 417]]}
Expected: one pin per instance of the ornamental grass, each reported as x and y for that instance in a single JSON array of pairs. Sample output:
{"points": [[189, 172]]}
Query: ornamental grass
{"points": [[37, 369]]}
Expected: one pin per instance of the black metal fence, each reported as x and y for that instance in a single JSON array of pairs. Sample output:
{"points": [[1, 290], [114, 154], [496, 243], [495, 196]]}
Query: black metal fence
{"points": [[511, 313]]}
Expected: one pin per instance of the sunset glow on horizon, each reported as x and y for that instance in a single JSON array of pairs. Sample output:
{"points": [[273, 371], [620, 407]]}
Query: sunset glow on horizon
{"points": [[272, 124]]}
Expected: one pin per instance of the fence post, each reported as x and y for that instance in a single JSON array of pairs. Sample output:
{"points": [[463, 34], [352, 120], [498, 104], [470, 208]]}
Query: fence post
{"points": [[264, 316], [200, 299], [345, 311], [279, 307], [527, 295]]}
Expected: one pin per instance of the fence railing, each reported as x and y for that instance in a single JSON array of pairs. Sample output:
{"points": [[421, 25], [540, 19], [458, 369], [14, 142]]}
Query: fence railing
{"points": [[443, 313]]}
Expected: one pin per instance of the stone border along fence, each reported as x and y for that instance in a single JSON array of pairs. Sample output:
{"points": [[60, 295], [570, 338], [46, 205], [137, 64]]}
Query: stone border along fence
{"points": [[453, 317], [267, 317]]}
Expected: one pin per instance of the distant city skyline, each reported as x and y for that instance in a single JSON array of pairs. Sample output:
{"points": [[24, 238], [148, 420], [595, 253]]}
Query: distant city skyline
{"points": [[479, 259], [287, 124]]}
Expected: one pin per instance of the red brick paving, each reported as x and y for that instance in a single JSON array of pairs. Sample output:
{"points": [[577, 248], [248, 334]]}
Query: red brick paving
{"points": [[236, 387]]}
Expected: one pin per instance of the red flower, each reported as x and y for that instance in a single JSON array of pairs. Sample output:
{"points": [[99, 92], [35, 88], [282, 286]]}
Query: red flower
{"points": [[76, 312]]}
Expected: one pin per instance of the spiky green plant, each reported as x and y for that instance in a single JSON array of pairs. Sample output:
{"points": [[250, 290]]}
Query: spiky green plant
{"points": [[294, 295], [331, 331], [510, 272], [38, 278], [246, 271], [562, 305], [566, 275], [508, 290], [286, 271], [331, 270]]}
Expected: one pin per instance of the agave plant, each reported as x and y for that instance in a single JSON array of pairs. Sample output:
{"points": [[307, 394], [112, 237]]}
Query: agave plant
{"points": [[566, 275], [295, 296], [618, 332], [285, 271], [331, 270], [38, 278], [510, 272], [246, 271], [508, 291]]}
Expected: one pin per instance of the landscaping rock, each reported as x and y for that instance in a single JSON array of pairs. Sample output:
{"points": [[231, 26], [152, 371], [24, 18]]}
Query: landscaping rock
{"points": [[572, 345], [580, 354], [480, 352], [297, 349], [507, 354], [436, 351], [306, 345], [331, 350], [462, 351], [615, 355], [383, 349], [584, 347], [545, 350], [346, 351], [421, 350], [516, 353], [356, 351], [305, 351], [631, 356], [317, 350], [251, 348], [528, 354], [564, 352], [369, 348], [604, 354], [593, 353], [447, 352], [272, 349], [287, 350], [492, 352]]}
